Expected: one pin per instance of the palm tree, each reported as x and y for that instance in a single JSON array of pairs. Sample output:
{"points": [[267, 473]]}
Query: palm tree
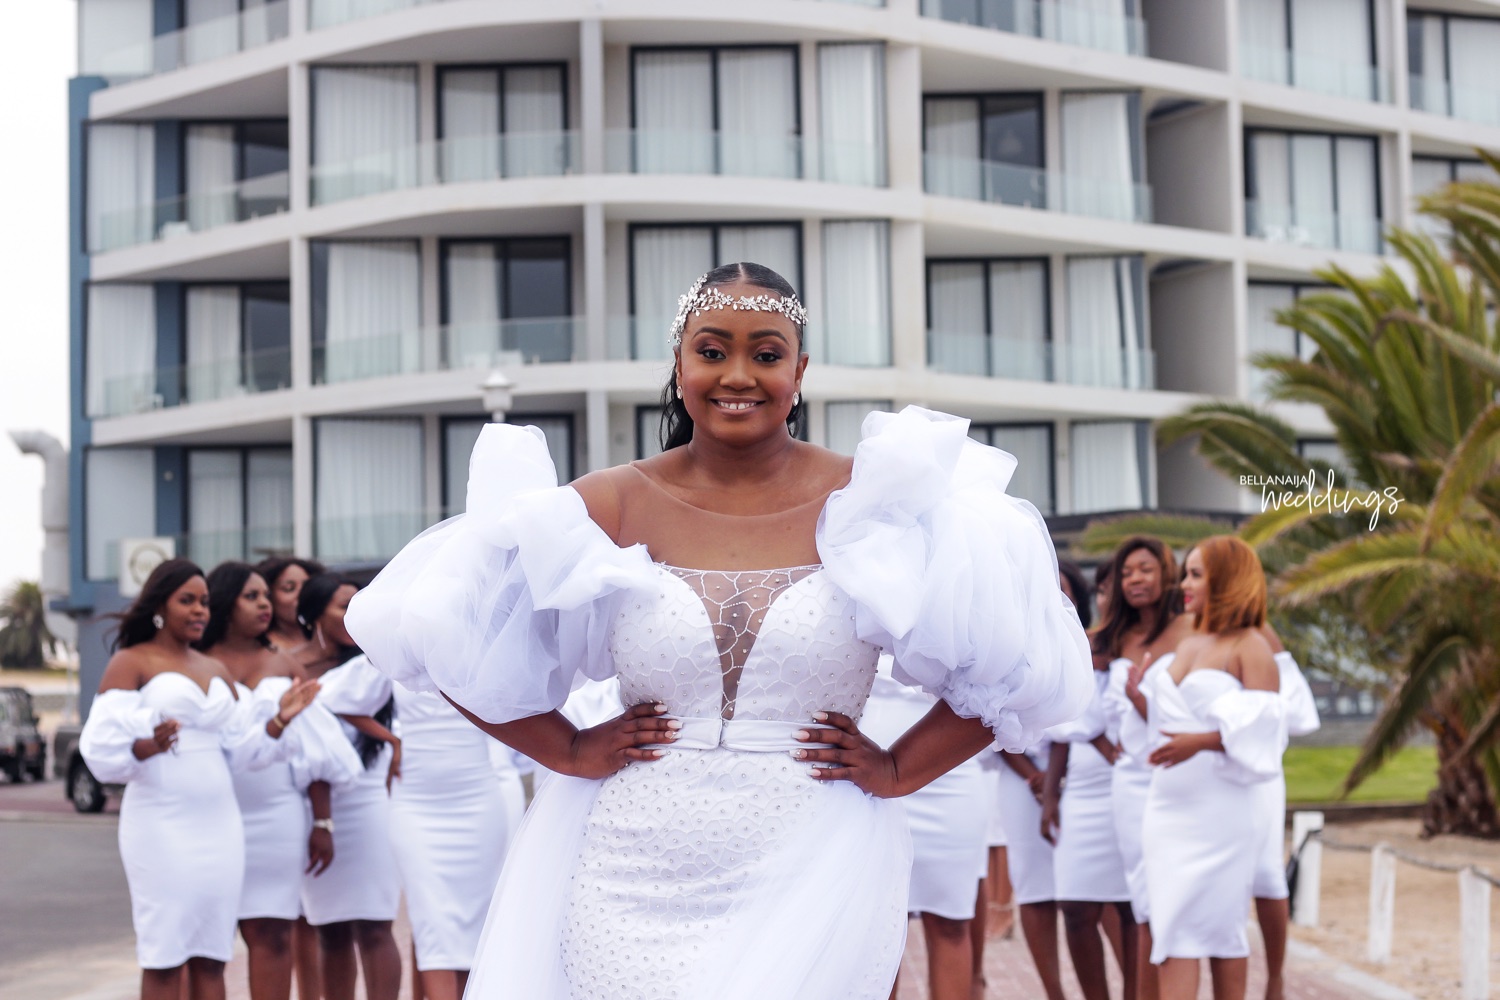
{"points": [[1409, 376], [25, 635]]}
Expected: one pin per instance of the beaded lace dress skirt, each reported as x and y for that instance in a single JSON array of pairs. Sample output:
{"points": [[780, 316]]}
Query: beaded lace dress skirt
{"points": [[682, 856]]}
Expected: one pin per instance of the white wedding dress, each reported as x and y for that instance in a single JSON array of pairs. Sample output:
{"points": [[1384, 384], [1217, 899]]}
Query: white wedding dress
{"points": [[724, 868]]}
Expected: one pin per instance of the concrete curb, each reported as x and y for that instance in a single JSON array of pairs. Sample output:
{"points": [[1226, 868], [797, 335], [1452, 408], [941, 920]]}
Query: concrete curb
{"points": [[1348, 975]]}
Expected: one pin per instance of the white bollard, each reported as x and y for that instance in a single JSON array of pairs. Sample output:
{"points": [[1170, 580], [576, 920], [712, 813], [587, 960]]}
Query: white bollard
{"points": [[1382, 904], [1474, 933], [1309, 867]]}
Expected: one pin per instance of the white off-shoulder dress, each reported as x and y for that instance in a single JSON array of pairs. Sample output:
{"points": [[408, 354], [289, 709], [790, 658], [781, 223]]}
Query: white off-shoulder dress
{"points": [[1301, 713], [273, 803], [1130, 781], [180, 834], [1204, 833], [363, 882], [1087, 865], [449, 828], [723, 868]]}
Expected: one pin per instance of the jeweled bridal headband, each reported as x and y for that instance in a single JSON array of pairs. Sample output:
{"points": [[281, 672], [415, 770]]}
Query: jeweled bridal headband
{"points": [[700, 300]]}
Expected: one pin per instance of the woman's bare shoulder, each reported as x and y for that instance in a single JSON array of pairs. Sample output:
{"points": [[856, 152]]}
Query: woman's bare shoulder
{"points": [[127, 670], [600, 492]]}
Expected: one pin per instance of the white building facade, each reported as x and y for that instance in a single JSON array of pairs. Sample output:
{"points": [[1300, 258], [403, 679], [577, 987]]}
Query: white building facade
{"points": [[307, 232]]}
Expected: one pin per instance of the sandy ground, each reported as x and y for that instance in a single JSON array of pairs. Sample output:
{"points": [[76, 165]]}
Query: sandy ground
{"points": [[1425, 948]]}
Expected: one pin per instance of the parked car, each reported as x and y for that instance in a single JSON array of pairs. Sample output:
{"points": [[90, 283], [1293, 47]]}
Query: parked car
{"points": [[87, 793], [22, 751]]}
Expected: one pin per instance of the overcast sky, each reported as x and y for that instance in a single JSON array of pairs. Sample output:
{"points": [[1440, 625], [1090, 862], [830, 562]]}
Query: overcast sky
{"points": [[37, 56]]}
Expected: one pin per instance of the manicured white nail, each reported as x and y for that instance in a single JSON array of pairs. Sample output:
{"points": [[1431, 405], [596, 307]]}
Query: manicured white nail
{"points": [[674, 724], [816, 772], [802, 734], [799, 754], [820, 716], [661, 708]]}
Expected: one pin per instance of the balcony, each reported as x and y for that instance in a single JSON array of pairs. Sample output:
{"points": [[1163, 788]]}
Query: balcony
{"points": [[448, 161], [1281, 223], [970, 353], [639, 151], [209, 548], [1291, 68], [1470, 104], [328, 13], [479, 346], [1055, 22], [251, 372], [200, 43], [1031, 187], [268, 194], [371, 538]]}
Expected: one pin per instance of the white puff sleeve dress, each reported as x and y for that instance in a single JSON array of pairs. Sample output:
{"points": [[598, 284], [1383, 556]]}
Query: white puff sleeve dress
{"points": [[710, 871], [273, 802], [1028, 855], [363, 882], [1087, 865], [1301, 718], [180, 835], [1204, 833], [1130, 781]]}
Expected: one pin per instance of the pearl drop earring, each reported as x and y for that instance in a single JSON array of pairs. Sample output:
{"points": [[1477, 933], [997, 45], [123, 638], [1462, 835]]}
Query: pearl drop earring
{"points": [[159, 622]]}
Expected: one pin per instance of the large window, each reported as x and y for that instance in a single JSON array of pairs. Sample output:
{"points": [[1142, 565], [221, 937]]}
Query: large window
{"points": [[1103, 157], [121, 186], [1108, 465], [506, 301], [1322, 45], [1265, 335], [1107, 324], [716, 111], [115, 37], [985, 146], [366, 309], [1430, 174], [120, 345], [856, 294], [239, 504], [119, 502], [1313, 188], [503, 121], [233, 171], [368, 488], [461, 433], [1451, 60], [238, 339], [1109, 25], [364, 135], [1031, 444], [844, 420], [666, 260], [989, 317]]}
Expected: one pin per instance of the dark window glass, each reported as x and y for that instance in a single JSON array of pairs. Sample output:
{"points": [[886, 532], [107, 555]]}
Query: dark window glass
{"points": [[1013, 130], [268, 335], [263, 149], [537, 277]]}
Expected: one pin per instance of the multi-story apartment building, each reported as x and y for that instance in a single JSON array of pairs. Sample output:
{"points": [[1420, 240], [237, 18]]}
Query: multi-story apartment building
{"points": [[319, 242]]}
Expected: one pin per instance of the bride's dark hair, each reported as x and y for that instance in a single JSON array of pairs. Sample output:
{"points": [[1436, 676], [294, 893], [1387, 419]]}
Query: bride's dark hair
{"points": [[676, 425]]}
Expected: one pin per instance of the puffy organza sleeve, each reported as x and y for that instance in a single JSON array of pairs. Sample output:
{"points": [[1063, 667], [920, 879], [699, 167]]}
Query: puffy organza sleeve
{"points": [[1122, 722], [1296, 697], [116, 720], [313, 743], [502, 607], [355, 688], [955, 578], [1252, 726]]}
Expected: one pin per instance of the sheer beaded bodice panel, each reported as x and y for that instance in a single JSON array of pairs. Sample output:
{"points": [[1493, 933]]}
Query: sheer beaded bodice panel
{"points": [[773, 644]]}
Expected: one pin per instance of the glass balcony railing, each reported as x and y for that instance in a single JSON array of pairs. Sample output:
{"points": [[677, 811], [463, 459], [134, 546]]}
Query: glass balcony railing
{"points": [[327, 13], [191, 213], [209, 548], [1305, 71], [448, 161], [246, 374], [1280, 223], [200, 43], [1030, 187], [970, 353], [1471, 104], [1106, 31], [667, 151], [373, 537], [539, 340]]}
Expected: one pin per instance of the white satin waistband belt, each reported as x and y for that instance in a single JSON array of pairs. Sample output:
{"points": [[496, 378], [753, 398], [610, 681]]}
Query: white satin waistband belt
{"points": [[196, 740], [751, 735]]}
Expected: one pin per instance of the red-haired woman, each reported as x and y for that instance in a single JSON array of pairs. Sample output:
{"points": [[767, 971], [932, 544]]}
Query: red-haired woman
{"points": [[1216, 703]]}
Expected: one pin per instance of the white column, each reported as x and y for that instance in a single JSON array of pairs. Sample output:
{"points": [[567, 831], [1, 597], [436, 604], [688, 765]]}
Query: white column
{"points": [[1474, 932], [299, 13], [1062, 463], [1309, 854], [299, 134], [302, 485], [596, 421], [427, 102], [432, 466], [908, 297], [301, 308], [807, 81], [591, 94], [903, 102], [1382, 904], [812, 282], [595, 284], [430, 338]]}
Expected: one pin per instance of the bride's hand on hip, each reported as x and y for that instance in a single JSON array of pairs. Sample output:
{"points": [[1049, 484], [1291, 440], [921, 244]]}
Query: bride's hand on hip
{"points": [[853, 757], [601, 750]]}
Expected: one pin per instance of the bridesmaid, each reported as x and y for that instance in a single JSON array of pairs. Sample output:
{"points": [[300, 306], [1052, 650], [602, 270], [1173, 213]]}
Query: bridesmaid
{"points": [[168, 724], [1216, 702], [281, 839], [353, 904]]}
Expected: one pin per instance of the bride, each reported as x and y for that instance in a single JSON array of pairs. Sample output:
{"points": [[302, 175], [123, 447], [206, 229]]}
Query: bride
{"points": [[732, 834]]}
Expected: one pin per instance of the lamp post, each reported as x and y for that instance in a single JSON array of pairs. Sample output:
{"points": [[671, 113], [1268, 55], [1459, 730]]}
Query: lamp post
{"points": [[498, 394]]}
